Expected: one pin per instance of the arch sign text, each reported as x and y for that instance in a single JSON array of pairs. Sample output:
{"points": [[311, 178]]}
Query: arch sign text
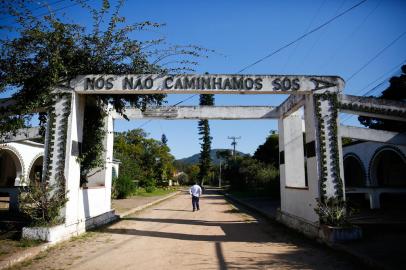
{"points": [[205, 84]]}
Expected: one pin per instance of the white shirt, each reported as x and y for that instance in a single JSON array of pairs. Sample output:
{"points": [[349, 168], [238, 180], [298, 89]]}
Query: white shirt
{"points": [[195, 190]]}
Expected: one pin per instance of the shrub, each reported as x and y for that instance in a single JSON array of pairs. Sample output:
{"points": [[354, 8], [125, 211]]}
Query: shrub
{"points": [[333, 212], [149, 189], [123, 186], [43, 202]]}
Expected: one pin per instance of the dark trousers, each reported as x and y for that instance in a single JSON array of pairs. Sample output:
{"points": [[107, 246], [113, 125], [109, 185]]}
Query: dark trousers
{"points": [[195, 202]]}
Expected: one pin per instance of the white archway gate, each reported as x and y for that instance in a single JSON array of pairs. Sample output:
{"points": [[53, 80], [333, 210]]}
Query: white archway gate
{"points": [[319, 96], [311, 92]]}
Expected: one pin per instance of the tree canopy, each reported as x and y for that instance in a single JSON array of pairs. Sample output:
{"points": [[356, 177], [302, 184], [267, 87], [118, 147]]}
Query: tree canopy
{"points": [[268, 152], [395, 91], [147, 160], [40, 53]]}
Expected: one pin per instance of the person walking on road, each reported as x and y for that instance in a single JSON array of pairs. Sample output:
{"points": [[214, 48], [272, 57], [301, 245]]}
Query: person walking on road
{"points": [[196, 192]]}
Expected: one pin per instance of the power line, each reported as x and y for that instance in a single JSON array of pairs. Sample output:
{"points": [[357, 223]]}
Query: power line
{"points": [[61, 8], [37, 8], [343, 42], [392, 71], [65, 7], [301, 37], [376, 56], [376, 87], [278, 50], [367, 93], [307, 29], [174, 105], [317, 40]]}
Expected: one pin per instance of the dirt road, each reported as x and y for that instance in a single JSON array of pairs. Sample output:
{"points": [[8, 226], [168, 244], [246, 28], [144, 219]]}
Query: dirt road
{"points": [[171, 236]]}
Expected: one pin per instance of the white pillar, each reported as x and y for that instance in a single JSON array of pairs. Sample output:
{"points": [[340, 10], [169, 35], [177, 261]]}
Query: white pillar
{"points": [[297, 196], [328, 152], [64, 131], [374, 200]]}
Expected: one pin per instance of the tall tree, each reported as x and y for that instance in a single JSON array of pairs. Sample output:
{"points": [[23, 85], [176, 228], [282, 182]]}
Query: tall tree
{"points": [[204, 132], [268, 152], [395, 91], [164, 139]]}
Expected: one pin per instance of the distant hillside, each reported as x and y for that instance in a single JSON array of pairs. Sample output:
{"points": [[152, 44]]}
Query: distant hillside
{"points": [[195, 158]]}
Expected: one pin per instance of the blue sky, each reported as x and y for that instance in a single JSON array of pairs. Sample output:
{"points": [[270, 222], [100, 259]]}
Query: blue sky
{"points": [[242, 32]]}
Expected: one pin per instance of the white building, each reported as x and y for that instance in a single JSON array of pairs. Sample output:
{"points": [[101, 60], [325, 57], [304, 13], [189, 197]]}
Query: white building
{"points": [[20, 163], [374, 169]]}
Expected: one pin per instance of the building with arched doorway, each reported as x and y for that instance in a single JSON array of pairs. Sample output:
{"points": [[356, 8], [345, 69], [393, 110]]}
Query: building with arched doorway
{"points": [[20, 163], [375, 174]]}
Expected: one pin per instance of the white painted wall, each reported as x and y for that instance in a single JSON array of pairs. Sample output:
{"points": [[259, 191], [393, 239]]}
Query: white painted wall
{"points": [[297, 199], [27, 152], [365, 151], [84, 203]]}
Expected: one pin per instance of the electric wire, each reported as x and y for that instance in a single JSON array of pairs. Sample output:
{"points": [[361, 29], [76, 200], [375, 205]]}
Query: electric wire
{"points": [[38, 16], [343, 42], [307, 30], [278, 50], [393, 71], [301, 37], [375, 57], [317, 39]]}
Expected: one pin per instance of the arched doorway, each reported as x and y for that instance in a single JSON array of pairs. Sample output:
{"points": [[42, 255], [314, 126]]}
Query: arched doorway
{"points": [[36, 169], [354, 173], [354, 176], [388, 168], [10, 168]]}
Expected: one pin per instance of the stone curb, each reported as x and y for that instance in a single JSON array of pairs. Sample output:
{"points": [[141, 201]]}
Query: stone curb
{"points": [[338, 247], [32, 252]]}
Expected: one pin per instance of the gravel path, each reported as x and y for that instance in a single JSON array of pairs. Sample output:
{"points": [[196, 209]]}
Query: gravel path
{"points": [[171, 236]]}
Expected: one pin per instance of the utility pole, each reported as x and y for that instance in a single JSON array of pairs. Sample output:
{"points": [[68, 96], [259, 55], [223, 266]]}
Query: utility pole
{"points": [[234, 143]]}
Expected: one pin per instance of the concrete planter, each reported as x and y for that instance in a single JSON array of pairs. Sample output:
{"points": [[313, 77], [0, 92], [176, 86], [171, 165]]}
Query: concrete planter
{"points": [[53, 234], [332, 234], [65, 231]]}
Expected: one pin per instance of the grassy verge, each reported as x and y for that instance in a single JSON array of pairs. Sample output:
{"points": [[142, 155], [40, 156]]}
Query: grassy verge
{"points": [[9, 246], [156, 192]]}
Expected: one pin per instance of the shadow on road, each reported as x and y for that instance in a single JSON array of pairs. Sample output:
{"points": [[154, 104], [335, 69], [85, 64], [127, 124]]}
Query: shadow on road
{"points": [[295, 252]]}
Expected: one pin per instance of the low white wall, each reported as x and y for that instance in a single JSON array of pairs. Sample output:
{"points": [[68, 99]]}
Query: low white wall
{"points": [[94, 202]]}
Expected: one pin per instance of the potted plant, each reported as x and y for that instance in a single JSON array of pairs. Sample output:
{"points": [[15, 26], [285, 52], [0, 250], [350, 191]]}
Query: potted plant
{"points": [[334, 218]]}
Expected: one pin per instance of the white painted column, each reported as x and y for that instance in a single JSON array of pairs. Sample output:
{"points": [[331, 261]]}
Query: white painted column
{"points": [[328, 162], [74, 206], [297, 198], [108, 144], [64, 130], [374, 200]]}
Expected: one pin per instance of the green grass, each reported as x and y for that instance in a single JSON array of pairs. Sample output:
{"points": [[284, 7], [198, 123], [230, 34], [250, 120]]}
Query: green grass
{"points": [[83, 236], [29, 243], [155, 192]]}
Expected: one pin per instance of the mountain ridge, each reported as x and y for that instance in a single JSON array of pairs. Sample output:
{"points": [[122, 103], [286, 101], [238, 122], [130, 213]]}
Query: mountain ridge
{"points": [[194, 159]]}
